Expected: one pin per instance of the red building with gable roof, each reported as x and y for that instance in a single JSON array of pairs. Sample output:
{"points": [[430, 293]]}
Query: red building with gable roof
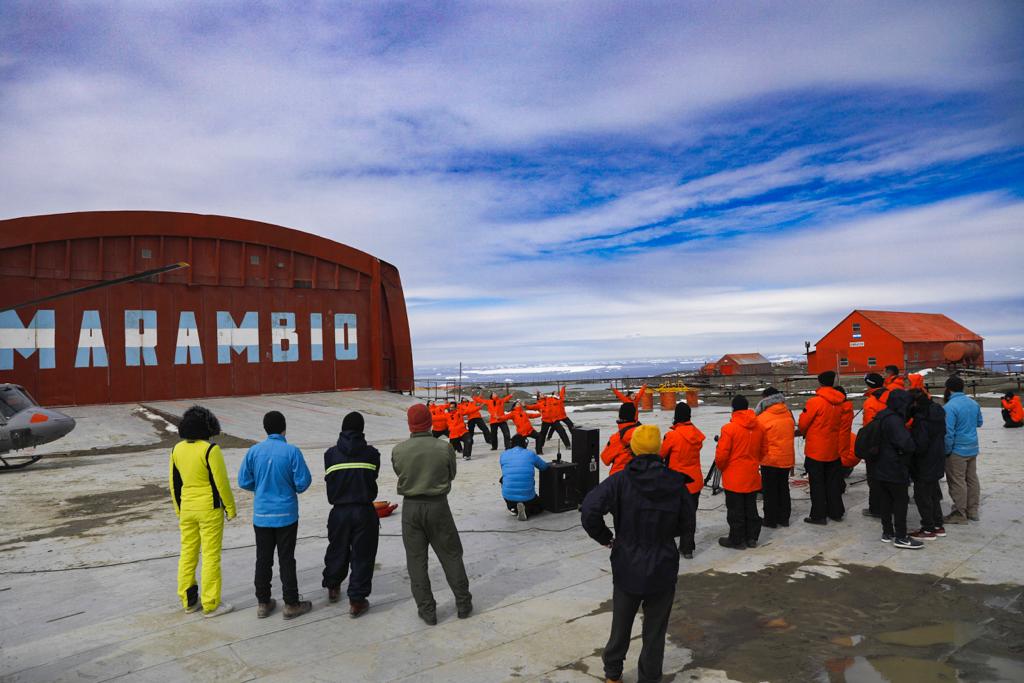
{"points": [[867, 341]]}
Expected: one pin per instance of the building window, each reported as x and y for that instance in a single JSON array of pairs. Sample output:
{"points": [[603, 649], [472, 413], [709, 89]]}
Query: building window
{"points": [[872, 361], [856, 330], [843, 362], [147, 253], [254, 259]]}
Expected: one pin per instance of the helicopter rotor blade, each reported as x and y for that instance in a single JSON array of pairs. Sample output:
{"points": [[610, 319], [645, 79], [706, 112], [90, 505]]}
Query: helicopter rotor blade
{"points": [[99, 285]]}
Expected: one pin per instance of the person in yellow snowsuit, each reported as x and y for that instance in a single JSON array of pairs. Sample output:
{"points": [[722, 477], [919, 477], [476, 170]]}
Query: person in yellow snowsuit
{"points": [[201, 494]]}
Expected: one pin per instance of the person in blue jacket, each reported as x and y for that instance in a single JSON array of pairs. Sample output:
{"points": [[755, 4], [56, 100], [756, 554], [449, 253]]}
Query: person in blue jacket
{"points": [[963, 417], [518, 481], [276, 471]]}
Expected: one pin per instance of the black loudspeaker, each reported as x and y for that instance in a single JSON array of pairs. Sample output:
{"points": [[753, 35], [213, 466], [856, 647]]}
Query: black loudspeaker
{"points": [[585, 448], [558, 487]]}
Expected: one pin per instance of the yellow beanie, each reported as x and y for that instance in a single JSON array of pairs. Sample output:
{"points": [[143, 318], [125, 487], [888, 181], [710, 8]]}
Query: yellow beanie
{"points": [[646, 440]]}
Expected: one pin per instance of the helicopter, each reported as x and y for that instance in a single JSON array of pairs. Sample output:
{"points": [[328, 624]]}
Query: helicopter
{"points": [[23, 422]]}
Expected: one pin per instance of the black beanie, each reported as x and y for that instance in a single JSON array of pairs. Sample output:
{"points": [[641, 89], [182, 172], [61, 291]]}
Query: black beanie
{"points": [[827, 378], [682, 413], [873, 380], [627, 412], [841, 389], [770, 391], [273, 422], [954, 383], [353, 422], [739, 402]]}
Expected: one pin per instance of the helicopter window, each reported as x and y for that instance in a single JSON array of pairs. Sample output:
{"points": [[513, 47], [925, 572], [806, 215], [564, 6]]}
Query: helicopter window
{"points": [[12, 401]]}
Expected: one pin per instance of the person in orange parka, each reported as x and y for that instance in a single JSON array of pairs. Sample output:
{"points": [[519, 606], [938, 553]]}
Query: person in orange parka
{"points": [[616, 453], [876, 396], [458, 435], [547, 406], [738, 457], [893, 379], [847, 458], [521, 419], [630, 397], [1013, 412], [497, 418], [471, 411], [681, 452], [821, 426], [916, 381], [560, 415], [438, 419], [779, 456]]}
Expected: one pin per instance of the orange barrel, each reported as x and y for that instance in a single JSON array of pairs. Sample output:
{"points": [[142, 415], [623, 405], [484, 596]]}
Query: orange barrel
{"points": [[647, 401], [668, 400], [691, 398]]}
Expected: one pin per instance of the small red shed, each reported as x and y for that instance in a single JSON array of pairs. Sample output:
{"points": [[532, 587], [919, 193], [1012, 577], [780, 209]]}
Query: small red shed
{"points": [[867, 341], [744, 364]]}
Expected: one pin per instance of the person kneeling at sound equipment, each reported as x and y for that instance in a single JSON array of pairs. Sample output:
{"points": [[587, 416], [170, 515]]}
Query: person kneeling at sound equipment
{"points": [[650, 506], [518, 483]]}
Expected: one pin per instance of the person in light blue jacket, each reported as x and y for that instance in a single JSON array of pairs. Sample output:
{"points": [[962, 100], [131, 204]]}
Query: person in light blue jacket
{"points": [[517, 479], [276, 471], [963, 417]]}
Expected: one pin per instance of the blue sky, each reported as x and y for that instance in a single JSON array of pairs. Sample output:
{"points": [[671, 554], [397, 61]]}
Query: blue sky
{"points": [[560, 181]]}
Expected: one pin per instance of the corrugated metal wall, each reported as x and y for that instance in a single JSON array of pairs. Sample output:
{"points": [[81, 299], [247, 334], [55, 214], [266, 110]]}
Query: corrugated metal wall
{"points": [[238, 268]]}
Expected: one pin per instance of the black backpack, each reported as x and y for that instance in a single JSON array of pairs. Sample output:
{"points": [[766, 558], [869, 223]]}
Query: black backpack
{"points": [[868, 445]]}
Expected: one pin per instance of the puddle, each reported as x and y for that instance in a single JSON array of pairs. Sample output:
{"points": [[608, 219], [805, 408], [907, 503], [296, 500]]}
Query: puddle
{"points": [[846, 624]]}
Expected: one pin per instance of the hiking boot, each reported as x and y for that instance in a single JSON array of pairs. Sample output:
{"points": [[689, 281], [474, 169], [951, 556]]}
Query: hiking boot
{"points": [[836, 519], [955, 517], [786, 523], [939, 531], [334, 594], [868, 512], [770, 525], [192, 595], [923, 535], [687, 554], [222, 608], [464, 612], [264, 609], [356, 608], [297, 610], [886, 538], [911, 543], [819, 522], [751, 543], [521, 512], [974, 518], [429, 617], [726, 543]]}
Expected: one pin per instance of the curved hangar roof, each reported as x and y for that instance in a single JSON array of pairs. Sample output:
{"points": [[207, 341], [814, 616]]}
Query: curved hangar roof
{"points": [[262, 309]]}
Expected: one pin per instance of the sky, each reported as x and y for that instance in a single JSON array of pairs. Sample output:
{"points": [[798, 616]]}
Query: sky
{"points": [[559, 181]]}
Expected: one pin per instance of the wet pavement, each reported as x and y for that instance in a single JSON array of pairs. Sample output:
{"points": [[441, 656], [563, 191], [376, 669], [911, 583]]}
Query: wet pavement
{"points": [[88, 553]]}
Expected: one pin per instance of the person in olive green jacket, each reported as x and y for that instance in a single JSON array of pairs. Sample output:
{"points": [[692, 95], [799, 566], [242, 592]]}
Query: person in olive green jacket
{"points": [[425, 467], [201, 494]]}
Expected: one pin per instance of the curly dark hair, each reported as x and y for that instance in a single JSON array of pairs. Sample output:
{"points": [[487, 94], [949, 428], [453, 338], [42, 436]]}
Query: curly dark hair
{"points": [[198, 424]]}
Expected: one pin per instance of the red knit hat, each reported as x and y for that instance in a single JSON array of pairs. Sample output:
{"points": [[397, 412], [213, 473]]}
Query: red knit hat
{"points": [[419, 418]]}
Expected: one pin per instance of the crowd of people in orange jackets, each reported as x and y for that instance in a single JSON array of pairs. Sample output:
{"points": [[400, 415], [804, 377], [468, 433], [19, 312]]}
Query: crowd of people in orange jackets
{"points": [[459, 420], [755, 453]]}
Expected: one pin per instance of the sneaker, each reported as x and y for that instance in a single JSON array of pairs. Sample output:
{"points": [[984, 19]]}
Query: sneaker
{"points": [[886, 538], [939, 531], [429, 617], [907, 542], [222, 608], [687, 554], [726, 543], [357, 608], [868, 513], [264, 609], [334, 594], [974, 518], [297, 610], [836, 519], [521, 512], [954, 517], [923, 535], [820, 522]]}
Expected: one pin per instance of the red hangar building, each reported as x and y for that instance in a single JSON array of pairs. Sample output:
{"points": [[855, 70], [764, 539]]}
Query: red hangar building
{"points": [[867, 341], [261, 309]]}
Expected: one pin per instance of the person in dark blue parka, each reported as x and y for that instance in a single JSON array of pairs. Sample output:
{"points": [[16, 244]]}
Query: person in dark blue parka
{"points": [[517, 478], [651, 507]]}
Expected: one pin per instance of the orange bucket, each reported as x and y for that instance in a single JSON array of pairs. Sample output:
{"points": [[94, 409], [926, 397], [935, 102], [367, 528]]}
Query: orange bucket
{"points": [[647, 401], [668, 400], [691, 398]]}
